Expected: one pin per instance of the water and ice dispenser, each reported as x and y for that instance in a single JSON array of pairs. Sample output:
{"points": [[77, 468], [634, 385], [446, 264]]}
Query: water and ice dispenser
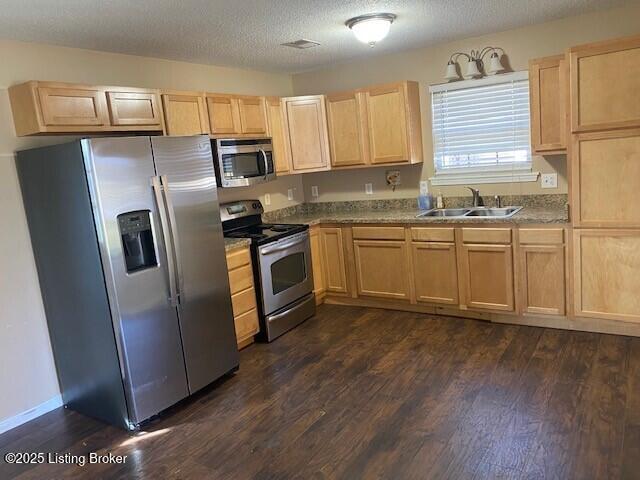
{"points": [[137, 240]]}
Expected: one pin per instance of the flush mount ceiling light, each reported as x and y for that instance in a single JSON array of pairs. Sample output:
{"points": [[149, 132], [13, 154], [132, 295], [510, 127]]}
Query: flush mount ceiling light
{"points": [[475, 63], [371, 28]]}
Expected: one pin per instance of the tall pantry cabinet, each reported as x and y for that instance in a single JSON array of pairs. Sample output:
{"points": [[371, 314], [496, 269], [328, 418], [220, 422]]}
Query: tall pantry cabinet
{"points": [[605, 177]]}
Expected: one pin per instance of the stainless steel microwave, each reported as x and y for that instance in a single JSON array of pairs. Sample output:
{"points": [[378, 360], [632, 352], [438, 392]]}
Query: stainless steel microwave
{"points": [[240, 162]]}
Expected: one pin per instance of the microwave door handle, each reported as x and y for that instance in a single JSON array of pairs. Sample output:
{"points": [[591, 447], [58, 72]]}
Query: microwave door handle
{"points": [[266, 163], [173, 226], [283, 246], [168, 246]]}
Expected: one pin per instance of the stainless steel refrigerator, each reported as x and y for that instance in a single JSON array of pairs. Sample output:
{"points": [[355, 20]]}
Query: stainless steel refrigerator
{"points": [[130, 255]]}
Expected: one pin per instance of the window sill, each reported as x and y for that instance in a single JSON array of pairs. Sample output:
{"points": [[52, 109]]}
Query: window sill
{"points": [[484, 177]]}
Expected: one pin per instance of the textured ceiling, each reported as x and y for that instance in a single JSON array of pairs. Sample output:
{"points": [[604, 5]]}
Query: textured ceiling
{"points": [[248, 33]]}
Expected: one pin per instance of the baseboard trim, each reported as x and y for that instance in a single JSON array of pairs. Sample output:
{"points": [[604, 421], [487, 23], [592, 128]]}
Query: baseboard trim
{"points": [[17, 420], [611, 327]]}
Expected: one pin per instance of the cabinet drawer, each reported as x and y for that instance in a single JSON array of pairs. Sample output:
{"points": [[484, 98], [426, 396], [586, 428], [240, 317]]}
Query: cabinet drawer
{"points": [[378, 233], [238, 258], [432, 234], [486, 235], [243, 301], [541, 236], [246, 325], [241, 279]]}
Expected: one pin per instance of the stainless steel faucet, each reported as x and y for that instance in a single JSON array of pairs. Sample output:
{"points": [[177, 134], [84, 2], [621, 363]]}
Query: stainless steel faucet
{"points": [[477, 199], [498, 200]]}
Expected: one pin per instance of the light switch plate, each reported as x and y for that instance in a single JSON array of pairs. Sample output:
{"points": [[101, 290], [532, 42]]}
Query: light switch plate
{"points": [[368, 188], [314, 191], [267, 199], [549, 180], [290, 194]]}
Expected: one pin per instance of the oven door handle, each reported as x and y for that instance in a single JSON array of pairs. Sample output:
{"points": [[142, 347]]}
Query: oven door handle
{"points": [[283, 246], [266, 163]]}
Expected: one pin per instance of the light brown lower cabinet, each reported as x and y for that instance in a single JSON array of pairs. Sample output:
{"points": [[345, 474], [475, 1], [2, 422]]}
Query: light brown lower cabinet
{"points": [[487, 270], [382, 268], [243, 296], [334, 260], [435, 272], [606, 266], [317, 264], [542, 275]]}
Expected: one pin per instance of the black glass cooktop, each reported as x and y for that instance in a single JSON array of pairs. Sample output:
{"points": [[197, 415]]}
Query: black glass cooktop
{"points": [[265, 232]]}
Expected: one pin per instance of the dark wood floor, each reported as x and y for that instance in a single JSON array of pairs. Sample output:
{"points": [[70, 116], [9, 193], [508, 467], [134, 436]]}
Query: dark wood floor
{"points": [[364, 393]]}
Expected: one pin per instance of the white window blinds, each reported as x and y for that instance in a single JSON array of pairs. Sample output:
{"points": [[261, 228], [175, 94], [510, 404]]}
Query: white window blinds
{"points": [[482, 125]]}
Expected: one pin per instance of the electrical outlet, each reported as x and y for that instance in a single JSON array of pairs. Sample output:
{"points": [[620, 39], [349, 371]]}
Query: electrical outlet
{"points": [[267, 199], [368, 188], [290, 194], [424, 187], [314, 191], [549, 180]]}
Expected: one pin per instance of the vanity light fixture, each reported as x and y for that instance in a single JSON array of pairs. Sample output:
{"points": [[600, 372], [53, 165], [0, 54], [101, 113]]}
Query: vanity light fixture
{"points": [[475, 63], [371, 28]]}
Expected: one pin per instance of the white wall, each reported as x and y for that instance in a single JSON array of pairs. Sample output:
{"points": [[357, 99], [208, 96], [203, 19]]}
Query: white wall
{"points": [[427, 65], [27, 372]]}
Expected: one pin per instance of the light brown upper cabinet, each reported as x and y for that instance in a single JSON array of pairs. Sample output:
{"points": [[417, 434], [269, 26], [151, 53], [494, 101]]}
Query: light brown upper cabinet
{"points": [[541, 255], [334, 267], [548, 84], [605, 170], [185, 113], [606, 281], [347, 123], [486, 268], [306, 124], [277, 132], [55, 107], [241, 115], [605, 81], [394, 125], [134, 107]]}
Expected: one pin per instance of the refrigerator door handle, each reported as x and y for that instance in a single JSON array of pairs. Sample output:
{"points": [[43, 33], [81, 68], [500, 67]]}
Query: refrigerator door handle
{"points": [[174, 232], [168, 244]]}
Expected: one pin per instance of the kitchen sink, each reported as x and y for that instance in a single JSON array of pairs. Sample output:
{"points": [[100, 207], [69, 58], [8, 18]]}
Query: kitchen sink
{"points": [[493, 212], [445, 212], [480, 212]]}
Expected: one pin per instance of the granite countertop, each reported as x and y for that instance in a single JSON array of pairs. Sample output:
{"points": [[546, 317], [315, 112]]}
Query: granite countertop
{"points": [[235, 243], [531, 215]]}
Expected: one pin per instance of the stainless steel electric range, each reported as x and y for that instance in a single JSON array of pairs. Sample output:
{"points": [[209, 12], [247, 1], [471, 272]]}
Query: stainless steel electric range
{"points": [[281, 257]]}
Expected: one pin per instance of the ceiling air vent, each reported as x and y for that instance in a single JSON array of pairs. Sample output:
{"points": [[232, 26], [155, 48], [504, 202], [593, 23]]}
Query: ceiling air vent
{"points": [[301, 44]]}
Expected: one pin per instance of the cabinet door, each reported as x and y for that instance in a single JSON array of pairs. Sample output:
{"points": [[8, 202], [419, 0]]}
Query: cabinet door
{"points": [[277, 132], [307, 131], [606, 280], [382, 268], [605, 169], [224, 115], [348, 137], [605, 81], [73, 106], [547, 83], [134, 108], [252, 115], [334, 261], [387, 119], [542, 279], [317, 263], [488, 272], [185, 114], [436, 272]]}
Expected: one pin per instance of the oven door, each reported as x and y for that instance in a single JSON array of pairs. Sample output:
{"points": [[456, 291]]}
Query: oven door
{"points": [[241, 166], [285, 271]]}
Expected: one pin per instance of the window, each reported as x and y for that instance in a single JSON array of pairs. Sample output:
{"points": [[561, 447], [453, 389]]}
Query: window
{"points": [[481, 131]]}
